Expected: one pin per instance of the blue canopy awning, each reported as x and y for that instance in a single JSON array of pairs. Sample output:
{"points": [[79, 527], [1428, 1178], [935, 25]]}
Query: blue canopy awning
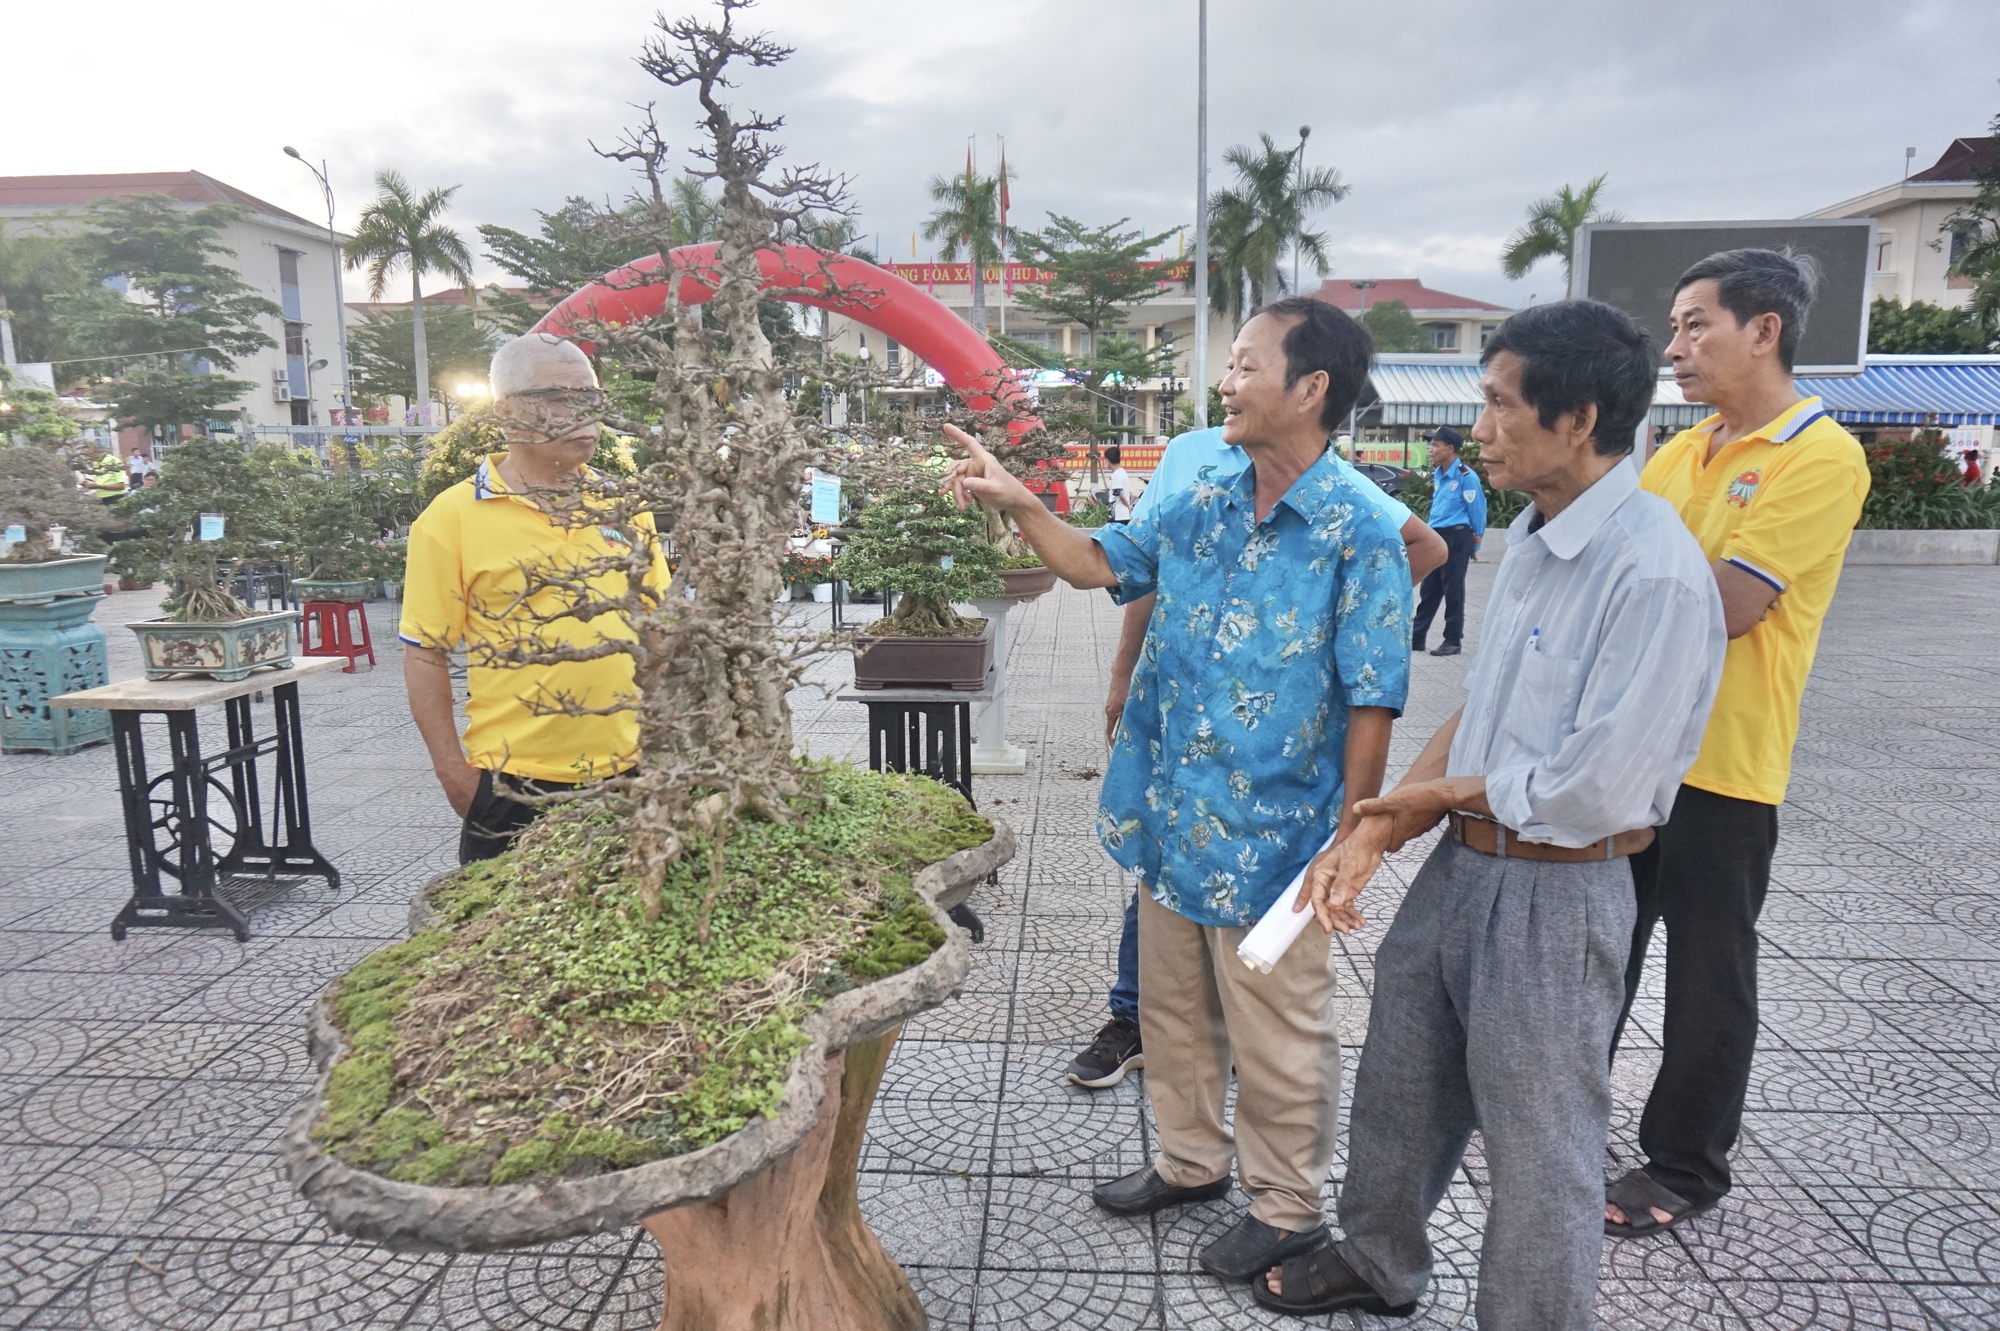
{"points": [[1914, 390]]}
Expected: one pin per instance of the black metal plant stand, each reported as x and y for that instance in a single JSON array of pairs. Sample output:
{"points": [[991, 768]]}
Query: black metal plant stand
{"points": [[172, 819]]}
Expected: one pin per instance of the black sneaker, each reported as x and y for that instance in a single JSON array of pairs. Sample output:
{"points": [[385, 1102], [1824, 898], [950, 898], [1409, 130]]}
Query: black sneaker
{"points": [[1111, 1055]]}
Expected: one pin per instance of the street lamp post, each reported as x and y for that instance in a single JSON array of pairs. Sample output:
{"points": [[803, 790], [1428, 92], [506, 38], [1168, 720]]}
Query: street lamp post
{"points": [[1200, 375], [1305, 132], [339, 292]]}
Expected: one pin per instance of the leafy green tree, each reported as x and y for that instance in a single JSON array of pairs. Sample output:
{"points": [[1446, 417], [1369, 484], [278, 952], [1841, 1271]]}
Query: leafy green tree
{"points": [[31, 414], [1551, 229], [1979, 223], [42, 278], [399, 228], [184, 317], [380, 352], [1922, 328], [200, 476], [1393, 327], [1096, 275], [1265, 213], [967, 221]]}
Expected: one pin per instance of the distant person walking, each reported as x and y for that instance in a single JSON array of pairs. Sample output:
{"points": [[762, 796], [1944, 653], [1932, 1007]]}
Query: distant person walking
{"points": [[1458, 514], [1119, 486], [1771, 488]]}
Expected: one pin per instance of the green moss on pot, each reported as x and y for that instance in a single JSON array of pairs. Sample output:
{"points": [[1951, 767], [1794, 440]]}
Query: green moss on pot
{"points": [[542, 1028]]}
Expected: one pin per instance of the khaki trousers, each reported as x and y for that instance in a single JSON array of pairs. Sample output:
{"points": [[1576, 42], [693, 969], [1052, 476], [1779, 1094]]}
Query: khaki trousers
{"points": [[1199, 1009]]}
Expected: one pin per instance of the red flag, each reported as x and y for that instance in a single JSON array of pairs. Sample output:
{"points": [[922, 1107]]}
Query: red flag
{"points": [[1006, 268]]}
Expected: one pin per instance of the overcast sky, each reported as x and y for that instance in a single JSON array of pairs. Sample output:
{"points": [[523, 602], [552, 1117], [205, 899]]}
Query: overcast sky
{"points": [[1447, 117]]}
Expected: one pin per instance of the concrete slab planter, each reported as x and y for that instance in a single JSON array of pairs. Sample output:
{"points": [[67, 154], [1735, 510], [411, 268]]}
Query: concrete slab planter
{"points": [[1924, 547], [890, 661], [229, 649], [1025, 584], [333, 589], [760, 1230], [76, 575]]}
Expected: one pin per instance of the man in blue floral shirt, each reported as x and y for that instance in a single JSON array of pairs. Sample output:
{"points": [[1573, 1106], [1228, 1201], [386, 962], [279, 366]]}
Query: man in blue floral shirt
{"points": [[1276, 660]]}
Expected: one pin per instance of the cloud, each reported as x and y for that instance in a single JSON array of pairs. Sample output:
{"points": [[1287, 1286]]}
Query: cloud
{"points": [[1447, 116]]}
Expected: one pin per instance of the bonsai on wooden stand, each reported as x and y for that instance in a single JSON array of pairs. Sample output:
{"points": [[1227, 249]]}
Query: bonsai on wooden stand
{"points": [[917, 543], [673, 1000]]}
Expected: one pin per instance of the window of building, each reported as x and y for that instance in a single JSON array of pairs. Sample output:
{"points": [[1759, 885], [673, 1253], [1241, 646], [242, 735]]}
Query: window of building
{"points": [[1443, 337], [1082, 342], [288, 284], [895, 356], [1882, 252], [1045, 338], [1486, 332], [1961, 238]]}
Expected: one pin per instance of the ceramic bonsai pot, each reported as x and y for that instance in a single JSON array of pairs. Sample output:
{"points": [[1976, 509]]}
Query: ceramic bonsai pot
{"points": [[223, 650], [332, 589], [761, 1231], [1025, 584], [72, 575], [891, 661]]}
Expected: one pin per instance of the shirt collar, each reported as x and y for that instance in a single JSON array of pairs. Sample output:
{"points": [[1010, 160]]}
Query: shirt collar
{"points": [[1456, 464], [1782, 430], [1570, 530], [1317, 486], [488, 483]]}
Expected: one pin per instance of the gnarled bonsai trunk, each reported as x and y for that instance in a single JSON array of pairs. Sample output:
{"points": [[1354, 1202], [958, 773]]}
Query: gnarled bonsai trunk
{"points": [[787, 1249]]}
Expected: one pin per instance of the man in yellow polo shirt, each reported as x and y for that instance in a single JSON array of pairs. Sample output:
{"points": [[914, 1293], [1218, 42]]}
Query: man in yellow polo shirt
{"points": [[464, 584], [1771, 488]]}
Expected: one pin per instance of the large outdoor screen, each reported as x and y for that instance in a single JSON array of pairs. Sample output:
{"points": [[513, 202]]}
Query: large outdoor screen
{"points": [[1634, 266]]}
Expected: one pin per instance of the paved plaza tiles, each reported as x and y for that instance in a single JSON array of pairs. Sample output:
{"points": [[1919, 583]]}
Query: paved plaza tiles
{"points": [[143, 1085]]}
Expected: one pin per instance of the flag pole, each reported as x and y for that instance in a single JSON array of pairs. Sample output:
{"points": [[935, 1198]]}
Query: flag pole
{"points": [[1199, 378]]}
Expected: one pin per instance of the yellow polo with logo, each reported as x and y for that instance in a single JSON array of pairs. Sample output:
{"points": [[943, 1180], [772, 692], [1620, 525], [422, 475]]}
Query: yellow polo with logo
{"points": [[1780, 504], [467, 560]]}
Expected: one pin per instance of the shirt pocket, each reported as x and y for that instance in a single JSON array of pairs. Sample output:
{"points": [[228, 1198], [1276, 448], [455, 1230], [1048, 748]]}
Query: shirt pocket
{"points": [[1542, 712]]}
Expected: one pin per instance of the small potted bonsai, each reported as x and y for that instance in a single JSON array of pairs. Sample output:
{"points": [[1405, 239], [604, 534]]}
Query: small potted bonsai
{"points": [[39, 496], [916, 542], [210, 511]]}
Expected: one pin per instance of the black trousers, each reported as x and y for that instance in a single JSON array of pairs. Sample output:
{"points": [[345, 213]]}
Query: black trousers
{"points": [[1705, 876], [1446, 582], [492, 820]]}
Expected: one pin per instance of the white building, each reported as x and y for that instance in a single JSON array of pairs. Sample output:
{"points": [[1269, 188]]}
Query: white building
{"points": [[1913, 246], [285, 258]]}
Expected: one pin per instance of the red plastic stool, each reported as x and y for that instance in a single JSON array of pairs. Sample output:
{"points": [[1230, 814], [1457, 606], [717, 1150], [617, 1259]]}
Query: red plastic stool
{"points": [[329, 632]]}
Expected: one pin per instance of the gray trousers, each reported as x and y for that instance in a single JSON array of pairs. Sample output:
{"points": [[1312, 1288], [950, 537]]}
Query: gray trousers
{"points": [[1496, 989]]}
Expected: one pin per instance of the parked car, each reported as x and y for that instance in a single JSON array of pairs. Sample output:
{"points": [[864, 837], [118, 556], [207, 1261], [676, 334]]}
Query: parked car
{"points": [[1391, 479]]}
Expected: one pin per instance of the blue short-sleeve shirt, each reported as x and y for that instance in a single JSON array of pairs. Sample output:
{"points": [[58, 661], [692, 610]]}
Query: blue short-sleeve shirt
{"points": [[1226, 772]]}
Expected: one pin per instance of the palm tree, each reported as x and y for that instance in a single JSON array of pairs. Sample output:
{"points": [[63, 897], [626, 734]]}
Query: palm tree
{"points": [[968, 219], [1265, 213], [400, 228], [1552, 227]]}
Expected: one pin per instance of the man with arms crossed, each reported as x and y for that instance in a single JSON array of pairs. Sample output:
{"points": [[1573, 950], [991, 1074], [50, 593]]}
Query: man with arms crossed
{"points": [[464, 585], [1197, 455], [1771, 488], [1277, 660], [1499, 981]]}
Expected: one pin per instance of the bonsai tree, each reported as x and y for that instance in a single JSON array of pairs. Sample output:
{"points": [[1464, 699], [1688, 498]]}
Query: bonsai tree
{"points": [[679, 987], [202, 480], [917, 543], [38, 491]]}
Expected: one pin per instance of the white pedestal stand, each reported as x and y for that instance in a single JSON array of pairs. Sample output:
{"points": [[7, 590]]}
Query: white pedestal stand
{"points": [[992, 755]]}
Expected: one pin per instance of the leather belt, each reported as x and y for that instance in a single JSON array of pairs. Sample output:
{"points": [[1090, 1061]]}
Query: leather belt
{"points": [[1490, 838]]}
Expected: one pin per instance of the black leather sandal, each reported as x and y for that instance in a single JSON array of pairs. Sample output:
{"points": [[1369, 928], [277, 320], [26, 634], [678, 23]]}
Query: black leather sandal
{"points": [[1319, 1280], [1636, 1194]]}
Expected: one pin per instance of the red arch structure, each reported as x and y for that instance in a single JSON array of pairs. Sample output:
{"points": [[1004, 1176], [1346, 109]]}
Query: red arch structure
{"points": [[842, 283]]}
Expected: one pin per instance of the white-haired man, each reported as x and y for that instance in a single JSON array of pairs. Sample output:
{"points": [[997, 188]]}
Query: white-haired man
{"points": [[468, 556]]}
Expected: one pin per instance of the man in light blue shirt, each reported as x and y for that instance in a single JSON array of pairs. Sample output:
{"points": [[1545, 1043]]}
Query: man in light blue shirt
{"points": [[1458, 514], [1191, 458]]}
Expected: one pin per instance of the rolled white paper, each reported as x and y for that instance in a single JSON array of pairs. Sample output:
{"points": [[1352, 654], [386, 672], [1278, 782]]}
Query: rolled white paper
{"points": [[1264, 946]]}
